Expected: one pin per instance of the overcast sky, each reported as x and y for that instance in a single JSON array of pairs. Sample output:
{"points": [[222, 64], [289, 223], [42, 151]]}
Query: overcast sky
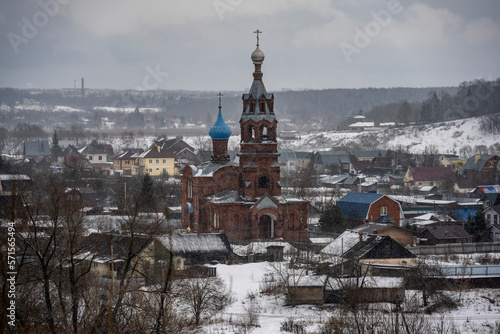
{"points": [[206, 44]]}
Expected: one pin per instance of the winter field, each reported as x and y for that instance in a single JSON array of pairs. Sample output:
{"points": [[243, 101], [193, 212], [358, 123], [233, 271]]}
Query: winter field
{"points": [[478, 310]]}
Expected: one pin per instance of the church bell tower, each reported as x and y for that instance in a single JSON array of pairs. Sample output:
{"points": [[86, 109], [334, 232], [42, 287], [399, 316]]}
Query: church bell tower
{"points": [[259, 171]]}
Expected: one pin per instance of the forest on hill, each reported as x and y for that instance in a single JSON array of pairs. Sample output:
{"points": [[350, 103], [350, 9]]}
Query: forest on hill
{"points": [[328, 109]]}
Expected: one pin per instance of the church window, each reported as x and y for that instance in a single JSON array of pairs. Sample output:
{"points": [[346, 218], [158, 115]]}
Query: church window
{"points": [[216, 220], [251, 132], [264, 133], [263, 107], [242, 181], [252, 107], [264, 182], [190, 189]]}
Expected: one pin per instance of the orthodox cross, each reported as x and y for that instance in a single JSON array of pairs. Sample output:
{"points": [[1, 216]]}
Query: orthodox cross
{"points": [[220, 97], [257, 32]]}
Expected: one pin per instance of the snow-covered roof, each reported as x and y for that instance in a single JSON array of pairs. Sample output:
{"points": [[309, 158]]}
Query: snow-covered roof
{"points": [[343, 243]]}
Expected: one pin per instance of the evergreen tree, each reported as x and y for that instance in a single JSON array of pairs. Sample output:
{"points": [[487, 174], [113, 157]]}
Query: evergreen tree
{"points": [[148, 193], [55, 150], [332, 220], [477, 227]]}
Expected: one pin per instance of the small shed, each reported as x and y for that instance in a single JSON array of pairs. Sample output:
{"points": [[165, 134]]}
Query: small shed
{"points": [[308, 290], [367, 289]]}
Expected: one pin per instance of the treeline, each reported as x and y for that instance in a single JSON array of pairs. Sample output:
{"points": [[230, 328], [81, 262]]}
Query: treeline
{"points": [[472, 99], [330, 105]]}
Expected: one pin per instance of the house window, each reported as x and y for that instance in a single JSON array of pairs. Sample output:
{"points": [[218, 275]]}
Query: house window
{"points": [[164, 161], [164, 170], [157, 161], [151, 170], [96, 265], [495, 219], [157, 168], [488, 218], [383, 211], [127, 162], [90, 157], [150, 161], [100, 157]]}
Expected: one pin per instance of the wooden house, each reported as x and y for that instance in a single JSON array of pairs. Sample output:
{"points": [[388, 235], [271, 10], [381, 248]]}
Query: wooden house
{"points": [[353, 247], [443, 234], [400, 235]]}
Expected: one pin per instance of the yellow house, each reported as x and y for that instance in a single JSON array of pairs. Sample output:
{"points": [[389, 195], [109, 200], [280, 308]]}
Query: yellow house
{"points": [[428, 176], [155, 162], [452, 161]]}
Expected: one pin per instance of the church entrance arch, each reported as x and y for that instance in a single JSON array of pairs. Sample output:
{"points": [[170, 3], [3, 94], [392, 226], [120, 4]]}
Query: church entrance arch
{"points": [[266, 227]]}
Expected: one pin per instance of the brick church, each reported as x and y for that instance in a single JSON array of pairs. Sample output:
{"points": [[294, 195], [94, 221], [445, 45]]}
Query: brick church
{"points": [[243, 199]]}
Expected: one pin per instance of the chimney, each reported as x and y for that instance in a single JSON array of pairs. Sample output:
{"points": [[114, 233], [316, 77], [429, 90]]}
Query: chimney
{"points": [[158, 148], [83, 88], [477, 156]]}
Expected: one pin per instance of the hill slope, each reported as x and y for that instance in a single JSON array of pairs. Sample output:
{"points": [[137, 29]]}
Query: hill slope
{"points": [[444, 137]]}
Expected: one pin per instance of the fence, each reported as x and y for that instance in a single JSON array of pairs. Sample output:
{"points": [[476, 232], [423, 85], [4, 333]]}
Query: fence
{"points": [[471, 271], [465, 248]]}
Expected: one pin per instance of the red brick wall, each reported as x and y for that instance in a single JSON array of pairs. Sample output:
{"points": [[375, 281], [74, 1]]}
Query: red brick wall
{"points": [[393, 209]]}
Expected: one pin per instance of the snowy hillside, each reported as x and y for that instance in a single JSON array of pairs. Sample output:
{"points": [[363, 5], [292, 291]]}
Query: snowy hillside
{"points": [[446, 137]]}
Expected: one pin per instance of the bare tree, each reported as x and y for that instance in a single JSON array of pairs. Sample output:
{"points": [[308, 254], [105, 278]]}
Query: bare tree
{"points": [[288, 278], [202, 296]]}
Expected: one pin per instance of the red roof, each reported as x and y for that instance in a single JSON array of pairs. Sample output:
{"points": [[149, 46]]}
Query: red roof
{"points": [[431, 173]]}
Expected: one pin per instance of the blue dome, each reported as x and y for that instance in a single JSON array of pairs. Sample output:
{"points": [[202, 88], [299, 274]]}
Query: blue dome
{"points": [[220, 130]]}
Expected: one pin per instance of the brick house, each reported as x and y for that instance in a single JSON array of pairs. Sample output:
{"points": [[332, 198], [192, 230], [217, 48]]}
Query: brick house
{"points": [[485, 164], [243, 200], [364, 207], [124, 163], [428, 176]]}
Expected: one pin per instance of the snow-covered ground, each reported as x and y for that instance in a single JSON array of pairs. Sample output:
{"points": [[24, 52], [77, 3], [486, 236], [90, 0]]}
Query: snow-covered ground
{"points": [[478, 311], [446, 137]]}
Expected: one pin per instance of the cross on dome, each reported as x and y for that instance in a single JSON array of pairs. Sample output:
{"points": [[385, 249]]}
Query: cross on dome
{"points": [[220, 99], [257, 32]]}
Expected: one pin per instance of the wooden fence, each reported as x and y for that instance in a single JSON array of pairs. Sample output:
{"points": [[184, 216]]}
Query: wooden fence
{"points": [[465, 248]]}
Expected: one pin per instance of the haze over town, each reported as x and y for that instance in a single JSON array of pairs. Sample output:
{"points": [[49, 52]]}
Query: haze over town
{"points": [[151, 182]]}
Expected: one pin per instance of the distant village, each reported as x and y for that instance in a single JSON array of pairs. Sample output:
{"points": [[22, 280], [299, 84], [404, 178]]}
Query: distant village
{"points": [[129, 217]]}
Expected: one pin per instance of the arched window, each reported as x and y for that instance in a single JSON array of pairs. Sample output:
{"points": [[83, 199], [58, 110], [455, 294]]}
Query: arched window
{"points": [[251, 132], [263, 107], [264, 133], [190, 189], [251, 110], [242, 181], [264, 182]]}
